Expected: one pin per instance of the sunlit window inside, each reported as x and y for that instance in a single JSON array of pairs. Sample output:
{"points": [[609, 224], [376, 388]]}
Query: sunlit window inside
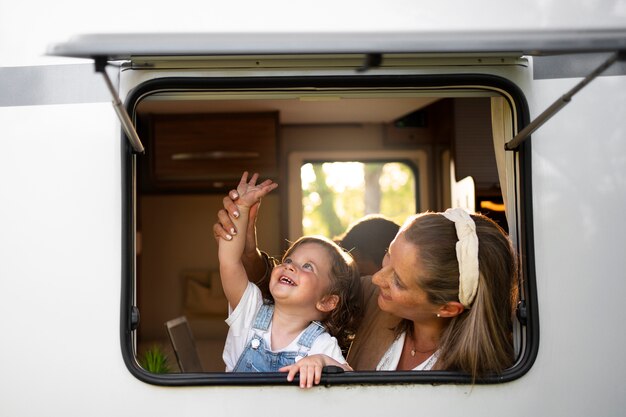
{"points": [[335, 194]]}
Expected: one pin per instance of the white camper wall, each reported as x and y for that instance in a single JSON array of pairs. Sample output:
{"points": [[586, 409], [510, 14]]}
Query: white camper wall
{"points": [[60, 223], [579, 161], [60, 249]]}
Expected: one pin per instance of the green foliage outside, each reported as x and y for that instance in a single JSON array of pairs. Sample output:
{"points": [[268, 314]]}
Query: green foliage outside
{"points": [[327, 201], [154, 360], [335, 194]]}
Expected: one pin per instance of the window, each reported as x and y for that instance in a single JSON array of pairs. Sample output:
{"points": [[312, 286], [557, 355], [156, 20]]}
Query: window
{"points": [[336, 194], [340, 133]]}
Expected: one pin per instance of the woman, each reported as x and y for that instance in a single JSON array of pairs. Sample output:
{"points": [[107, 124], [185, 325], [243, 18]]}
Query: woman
{"points": [[443, 299], [447, 286]]}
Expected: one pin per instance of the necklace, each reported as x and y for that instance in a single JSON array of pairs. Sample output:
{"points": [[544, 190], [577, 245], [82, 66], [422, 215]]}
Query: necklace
{"points": [[415, 350]]}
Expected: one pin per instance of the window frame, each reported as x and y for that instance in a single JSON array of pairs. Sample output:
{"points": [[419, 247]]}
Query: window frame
{"points": [[129, 315]]}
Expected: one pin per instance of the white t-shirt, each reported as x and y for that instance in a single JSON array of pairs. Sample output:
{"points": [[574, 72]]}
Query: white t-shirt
{"points": [[240, 332], [389, 361]]}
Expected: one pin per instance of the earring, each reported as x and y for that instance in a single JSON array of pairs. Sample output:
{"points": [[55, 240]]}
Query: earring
{"points": [[438, 315]]}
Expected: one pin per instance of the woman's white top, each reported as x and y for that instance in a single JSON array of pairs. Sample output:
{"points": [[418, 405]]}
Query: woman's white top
{"points": [[389, 361]]}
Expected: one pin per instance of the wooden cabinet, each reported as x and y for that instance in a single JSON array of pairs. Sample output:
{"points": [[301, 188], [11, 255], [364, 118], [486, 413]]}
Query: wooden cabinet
{"points": [[208, 152]]}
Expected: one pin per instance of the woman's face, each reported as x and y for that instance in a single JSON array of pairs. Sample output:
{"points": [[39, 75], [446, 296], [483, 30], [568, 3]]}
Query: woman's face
{"points": [[400, 294]]}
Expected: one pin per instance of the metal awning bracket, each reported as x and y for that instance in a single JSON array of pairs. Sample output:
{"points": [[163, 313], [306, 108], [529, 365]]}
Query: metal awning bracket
{"points": [[554, 108], [122, 114], [371, 61]]}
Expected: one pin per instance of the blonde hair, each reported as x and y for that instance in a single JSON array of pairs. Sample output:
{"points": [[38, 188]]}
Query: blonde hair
{"points": [[479, 340], [345, 283]]}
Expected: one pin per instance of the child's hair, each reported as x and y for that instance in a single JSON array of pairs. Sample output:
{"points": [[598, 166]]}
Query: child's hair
{"points": [[345, 282], [479, 340]]}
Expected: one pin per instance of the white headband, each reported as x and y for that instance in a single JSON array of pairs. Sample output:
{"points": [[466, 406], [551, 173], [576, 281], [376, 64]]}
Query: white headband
{"points": [[466, 254]]}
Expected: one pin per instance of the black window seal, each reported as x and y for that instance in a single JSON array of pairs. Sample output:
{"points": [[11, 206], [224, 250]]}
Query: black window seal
{"points": [[526, 248]]}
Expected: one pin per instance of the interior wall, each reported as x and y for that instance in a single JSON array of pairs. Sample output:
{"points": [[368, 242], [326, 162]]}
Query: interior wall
{"points": [[330, 137]]}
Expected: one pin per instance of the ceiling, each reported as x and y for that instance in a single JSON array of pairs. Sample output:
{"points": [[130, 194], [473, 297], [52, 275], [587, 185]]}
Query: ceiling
{"points": [[307, 110]]}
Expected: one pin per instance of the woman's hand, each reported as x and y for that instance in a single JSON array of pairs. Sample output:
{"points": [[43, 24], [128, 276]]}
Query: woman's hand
{"points": [[225, 228], [310, 369]]}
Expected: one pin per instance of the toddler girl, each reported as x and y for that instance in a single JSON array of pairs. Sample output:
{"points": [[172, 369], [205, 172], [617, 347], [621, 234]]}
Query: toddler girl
{"points": [[310, 292]]}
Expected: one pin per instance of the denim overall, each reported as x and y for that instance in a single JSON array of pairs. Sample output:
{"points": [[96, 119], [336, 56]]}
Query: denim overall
{"points": [[256, 357]]}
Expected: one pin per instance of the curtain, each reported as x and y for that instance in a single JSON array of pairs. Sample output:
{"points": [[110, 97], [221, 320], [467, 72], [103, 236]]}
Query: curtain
{"points": [[502, 128]]}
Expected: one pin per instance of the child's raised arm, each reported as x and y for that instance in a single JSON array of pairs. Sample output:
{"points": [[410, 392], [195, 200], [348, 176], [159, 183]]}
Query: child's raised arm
{"points": [[232, 272]]}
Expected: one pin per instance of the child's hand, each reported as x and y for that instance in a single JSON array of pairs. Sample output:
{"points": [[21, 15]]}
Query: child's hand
{"points": [[250, 193], [310, 369]]}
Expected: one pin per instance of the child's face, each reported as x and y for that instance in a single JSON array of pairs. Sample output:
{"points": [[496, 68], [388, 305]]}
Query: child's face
{"points": [[303, 278]]}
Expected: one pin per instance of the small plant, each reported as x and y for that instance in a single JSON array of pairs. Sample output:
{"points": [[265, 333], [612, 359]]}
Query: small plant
{"points": [[155, 360]]}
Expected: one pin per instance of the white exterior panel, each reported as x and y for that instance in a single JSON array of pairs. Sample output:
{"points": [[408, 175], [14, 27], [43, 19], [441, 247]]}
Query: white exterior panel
{"points": [[60, 228]]}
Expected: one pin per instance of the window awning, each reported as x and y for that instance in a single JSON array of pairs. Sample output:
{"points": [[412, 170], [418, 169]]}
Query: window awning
{"points": [[543, 42], [108, 47]]}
